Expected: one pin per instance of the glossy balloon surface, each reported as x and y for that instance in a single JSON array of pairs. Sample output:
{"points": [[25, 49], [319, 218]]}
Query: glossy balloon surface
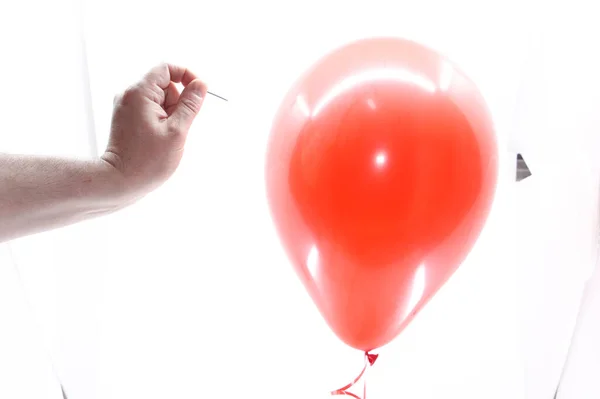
{"points": [[381, 170]]}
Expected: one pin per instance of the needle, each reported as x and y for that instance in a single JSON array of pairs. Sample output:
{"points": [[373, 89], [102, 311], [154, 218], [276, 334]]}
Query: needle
{"points": [[216, 95]]}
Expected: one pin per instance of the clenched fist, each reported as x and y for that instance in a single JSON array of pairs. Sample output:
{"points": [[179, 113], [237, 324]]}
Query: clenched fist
{"points": [[150, 123]]}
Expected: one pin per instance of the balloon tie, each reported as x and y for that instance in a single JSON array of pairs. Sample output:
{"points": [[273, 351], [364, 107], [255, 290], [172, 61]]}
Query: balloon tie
{"points": [[370, 359]]}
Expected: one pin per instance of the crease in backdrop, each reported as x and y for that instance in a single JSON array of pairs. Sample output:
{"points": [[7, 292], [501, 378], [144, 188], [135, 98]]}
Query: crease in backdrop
{"points": [[57, 268], [557, 132], [574, 141]]}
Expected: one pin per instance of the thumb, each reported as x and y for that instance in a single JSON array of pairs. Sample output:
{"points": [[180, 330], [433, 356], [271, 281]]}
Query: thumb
{"points": [[188, 106]]}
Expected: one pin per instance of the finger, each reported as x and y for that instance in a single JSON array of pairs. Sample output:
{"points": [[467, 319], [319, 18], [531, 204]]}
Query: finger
{"points": [[171, 98], [163, 74], [188, 106]]}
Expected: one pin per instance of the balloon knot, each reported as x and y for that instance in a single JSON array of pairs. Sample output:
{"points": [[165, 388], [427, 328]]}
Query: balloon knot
{"points": [[371, 357]]}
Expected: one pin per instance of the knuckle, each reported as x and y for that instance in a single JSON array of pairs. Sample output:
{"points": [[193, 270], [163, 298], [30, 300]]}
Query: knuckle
{"points": [[157, 71], [164, 67], [159, 68], [129, 94]]}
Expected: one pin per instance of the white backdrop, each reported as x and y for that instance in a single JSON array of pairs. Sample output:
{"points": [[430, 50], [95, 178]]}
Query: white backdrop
{"points": [[188, 293], [564, 86], [45, 109]]}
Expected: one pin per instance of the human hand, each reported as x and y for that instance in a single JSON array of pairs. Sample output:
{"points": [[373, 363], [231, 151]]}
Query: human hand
{"points": [[150, 123]]}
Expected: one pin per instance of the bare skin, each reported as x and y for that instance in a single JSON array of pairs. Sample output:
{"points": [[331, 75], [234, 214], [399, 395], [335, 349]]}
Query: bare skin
{"points": [[151, 120]]}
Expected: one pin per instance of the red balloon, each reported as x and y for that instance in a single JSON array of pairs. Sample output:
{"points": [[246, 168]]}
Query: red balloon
{"points": [[381, 170]]}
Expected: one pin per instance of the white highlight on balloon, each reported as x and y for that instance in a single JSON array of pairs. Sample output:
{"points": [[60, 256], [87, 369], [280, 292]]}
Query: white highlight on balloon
{"points": [[380, 159], [418, 288], [373, 75], [302, 105], [446, 75], [371, 103], [312, 261]]}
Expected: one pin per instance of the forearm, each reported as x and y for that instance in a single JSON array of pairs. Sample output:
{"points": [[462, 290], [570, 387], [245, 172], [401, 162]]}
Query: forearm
{"points": [[42, 193]]}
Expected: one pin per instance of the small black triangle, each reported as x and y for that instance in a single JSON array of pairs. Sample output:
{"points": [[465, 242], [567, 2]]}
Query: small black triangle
{"points": [[523, 171]]}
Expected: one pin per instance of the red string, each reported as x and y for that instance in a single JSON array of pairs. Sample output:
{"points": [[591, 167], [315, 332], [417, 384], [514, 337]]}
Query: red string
{"points": [[369, 361]]}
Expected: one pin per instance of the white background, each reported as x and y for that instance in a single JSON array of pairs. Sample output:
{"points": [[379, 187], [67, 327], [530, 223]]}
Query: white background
{"points": [[188, 293]]}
